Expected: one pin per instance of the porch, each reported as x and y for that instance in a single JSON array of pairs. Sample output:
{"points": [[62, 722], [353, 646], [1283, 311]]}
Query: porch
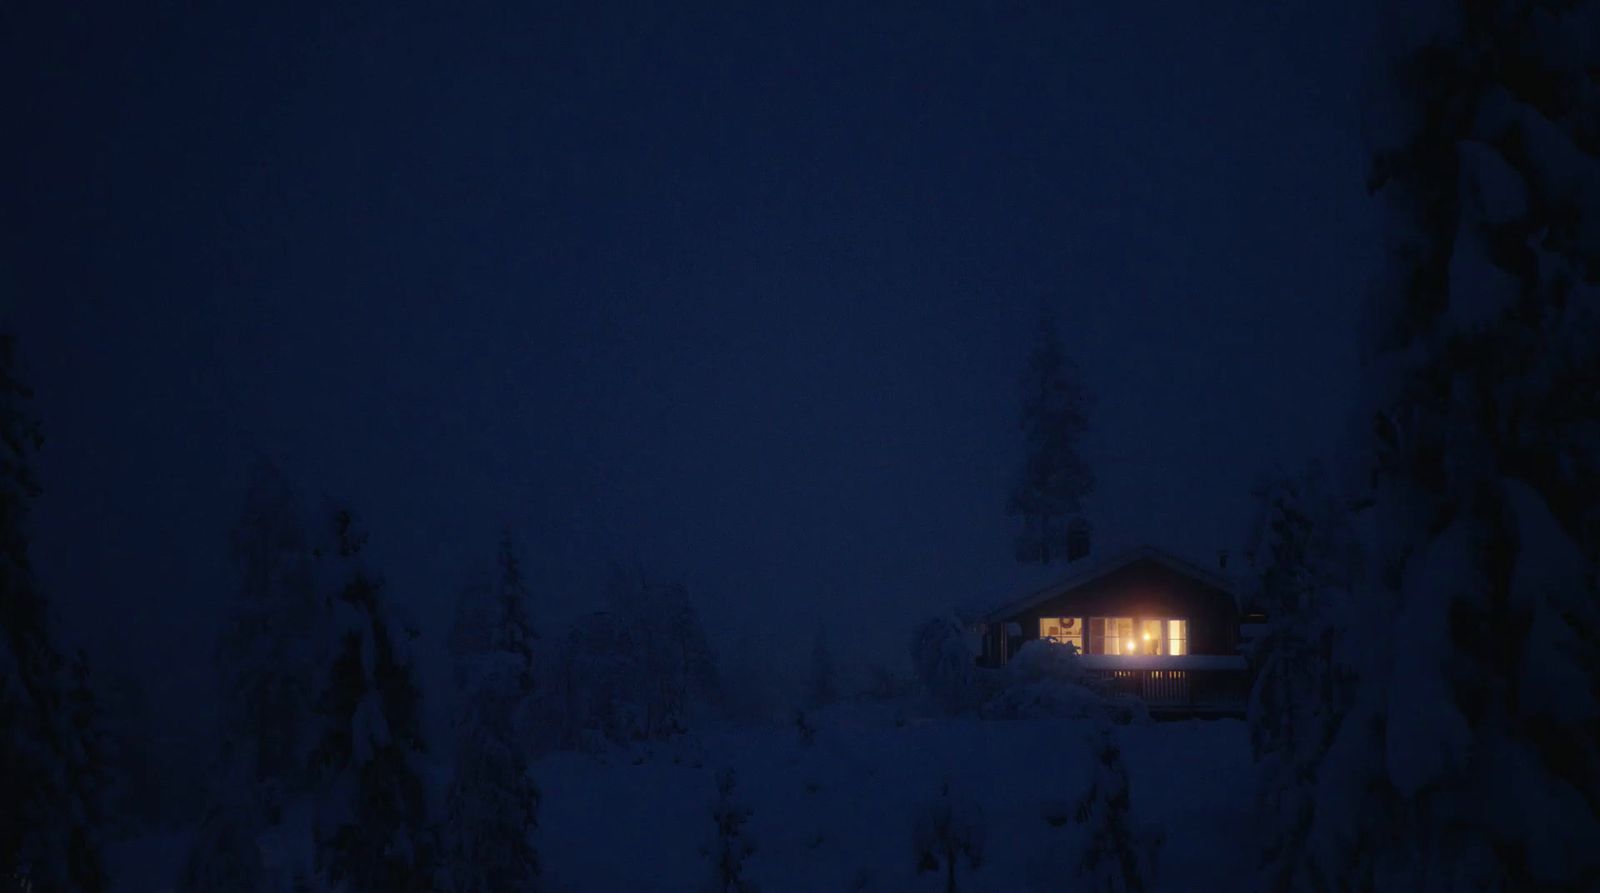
{"points": [[1174, 686]]}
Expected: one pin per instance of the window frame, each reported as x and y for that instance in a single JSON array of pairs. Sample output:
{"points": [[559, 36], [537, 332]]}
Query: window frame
{"points": [[1115, 635], [1147, 638], [1111, 638], [1064, 638], [1182, 624]]}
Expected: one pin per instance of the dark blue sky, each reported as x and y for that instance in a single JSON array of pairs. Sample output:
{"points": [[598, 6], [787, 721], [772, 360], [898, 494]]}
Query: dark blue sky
{"points": [[741, 294]]}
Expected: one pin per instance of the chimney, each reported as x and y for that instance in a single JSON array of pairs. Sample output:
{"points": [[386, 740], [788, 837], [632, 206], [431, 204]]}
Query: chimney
{"points": [[1078, 531]]}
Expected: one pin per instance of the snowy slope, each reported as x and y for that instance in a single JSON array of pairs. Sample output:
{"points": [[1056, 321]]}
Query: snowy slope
{"points": [[838, 815], [1195, 779]]}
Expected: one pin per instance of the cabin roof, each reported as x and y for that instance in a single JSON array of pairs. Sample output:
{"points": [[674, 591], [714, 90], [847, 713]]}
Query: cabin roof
{"points": [[993, 611]]}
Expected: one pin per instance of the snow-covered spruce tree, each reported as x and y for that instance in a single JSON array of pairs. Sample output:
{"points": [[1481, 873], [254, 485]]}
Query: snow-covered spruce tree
{"points": [[1118, 857], [87, 729], [943, 662], [497, 618], [49, 772], [137, 789], [947, 831], [751, 688], [635, 672], [597, 701], [266, 660], [1045, 680], [677, 665], [1306, 563], [491, 808], [1054, 479], [264, 654], [372, 833], [1466, 759], [822, 682], [225, 853], [730, 844]]}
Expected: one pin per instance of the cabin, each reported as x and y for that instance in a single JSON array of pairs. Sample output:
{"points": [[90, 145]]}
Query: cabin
{"points": [[1147, 622]]}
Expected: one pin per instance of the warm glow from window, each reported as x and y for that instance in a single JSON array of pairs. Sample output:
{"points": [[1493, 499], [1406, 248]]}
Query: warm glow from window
{"points": [[1111, 635], [1177, 637], [1150, 636], [1064, 630], [1128, 635]]}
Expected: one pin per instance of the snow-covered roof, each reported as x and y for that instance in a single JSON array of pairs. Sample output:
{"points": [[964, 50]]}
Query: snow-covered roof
{"points": [[991, 610]]}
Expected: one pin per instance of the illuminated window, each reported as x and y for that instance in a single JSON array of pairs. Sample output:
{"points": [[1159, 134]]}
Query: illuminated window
{"points": [[1127, 635], [1064, 630], [1177, 637], [1111, 635], [1149, 641]]}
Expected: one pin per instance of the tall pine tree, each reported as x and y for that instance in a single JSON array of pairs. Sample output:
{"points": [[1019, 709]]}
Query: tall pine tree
{"points": [[265, 660], [1466, 757], [639, 671], [492, 805], [822, 683], [1306, 564], [264, 653], [730, 847], [1118, 856], [1054, 479], [372, 829], [49, 759], [947, 831]]}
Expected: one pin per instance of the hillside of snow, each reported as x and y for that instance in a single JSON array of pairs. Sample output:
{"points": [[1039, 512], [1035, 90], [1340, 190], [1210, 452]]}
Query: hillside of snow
{"points": [[837, 814]]}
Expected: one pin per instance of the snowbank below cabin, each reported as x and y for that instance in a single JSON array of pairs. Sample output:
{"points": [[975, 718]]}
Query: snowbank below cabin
{"points": [[838, 815]]}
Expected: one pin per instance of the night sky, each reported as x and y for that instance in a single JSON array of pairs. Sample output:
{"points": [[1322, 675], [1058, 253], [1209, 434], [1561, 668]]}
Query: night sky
{"points": [[741, 294]]}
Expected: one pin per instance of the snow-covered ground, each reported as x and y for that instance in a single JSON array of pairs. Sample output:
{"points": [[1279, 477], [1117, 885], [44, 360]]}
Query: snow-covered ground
{"points": [[1195, 779], [837, 815], [147, 864]]}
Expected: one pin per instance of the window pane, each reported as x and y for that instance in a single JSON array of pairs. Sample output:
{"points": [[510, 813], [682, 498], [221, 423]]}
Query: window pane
{"points": [[1177, 637], [1125, 641], [1072, 632], [1118, 634], [1150, 637], [1065, 630]]}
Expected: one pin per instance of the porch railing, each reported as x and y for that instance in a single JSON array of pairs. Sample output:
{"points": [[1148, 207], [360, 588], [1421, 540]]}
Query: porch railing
{"points": [[1217, 691]]}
